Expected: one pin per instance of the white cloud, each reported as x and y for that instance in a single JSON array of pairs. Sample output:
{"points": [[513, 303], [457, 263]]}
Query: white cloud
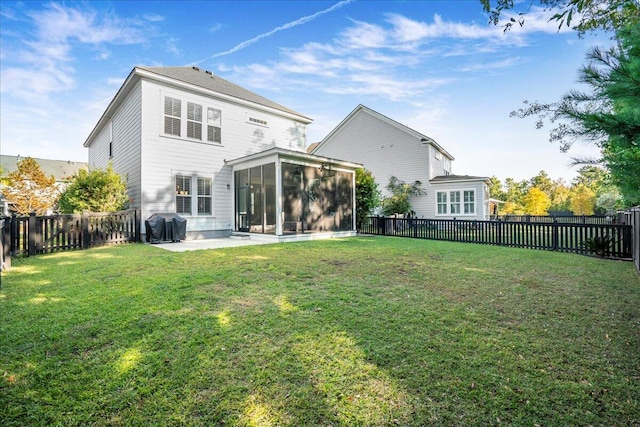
{"points": [[43, 65], [286, 26]]}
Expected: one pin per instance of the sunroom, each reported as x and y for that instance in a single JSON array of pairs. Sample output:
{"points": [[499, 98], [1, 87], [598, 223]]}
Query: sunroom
{"points": [[290, 194]]}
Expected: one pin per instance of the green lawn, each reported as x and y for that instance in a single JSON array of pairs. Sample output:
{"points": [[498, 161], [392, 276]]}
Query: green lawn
{"points": [[367, 331]]}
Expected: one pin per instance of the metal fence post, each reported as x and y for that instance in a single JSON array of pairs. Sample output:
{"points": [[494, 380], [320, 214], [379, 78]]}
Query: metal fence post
{"points": [[555, 234]]}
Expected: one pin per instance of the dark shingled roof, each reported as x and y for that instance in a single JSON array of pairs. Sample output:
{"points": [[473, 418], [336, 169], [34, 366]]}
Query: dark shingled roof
{"points": [[208, 80], [449, 178], [62, 170]]}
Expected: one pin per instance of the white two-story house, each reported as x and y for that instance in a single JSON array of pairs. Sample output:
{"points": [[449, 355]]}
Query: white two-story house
{"points": [[388, 148], [224, 158]]}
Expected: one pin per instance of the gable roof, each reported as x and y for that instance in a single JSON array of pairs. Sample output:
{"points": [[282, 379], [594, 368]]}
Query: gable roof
{"points": [[62, 170], [210, 81], [424, 139], [193, 78]]}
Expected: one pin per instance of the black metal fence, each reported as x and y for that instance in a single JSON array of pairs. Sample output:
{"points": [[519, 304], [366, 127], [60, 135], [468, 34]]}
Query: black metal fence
{"points": [[33, 235], [552, 236], [571, 219], [632, 217]]}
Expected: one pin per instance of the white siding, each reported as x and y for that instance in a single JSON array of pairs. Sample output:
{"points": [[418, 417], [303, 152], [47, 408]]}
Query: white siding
{"points": [[385, 150], [125, 131], [477, 186], [165, 156]]}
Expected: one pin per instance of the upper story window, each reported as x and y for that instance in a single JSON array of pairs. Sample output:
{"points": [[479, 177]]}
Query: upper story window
{"points": [[438, 155], [214, 125], [194, 121], [172, 115]]}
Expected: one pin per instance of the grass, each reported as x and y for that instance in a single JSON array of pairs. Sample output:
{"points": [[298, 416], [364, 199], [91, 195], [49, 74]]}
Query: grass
{"points": [[354, 332]]}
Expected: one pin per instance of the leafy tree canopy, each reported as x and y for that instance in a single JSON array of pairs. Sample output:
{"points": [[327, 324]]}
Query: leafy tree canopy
{"points": [[581, 15], [536, 202], [608, 115], [367, 195], [95, 191], [401, 192], [29, 190]]}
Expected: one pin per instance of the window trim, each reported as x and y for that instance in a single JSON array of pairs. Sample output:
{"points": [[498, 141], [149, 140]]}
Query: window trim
{"points": [[193, 194], [204, 196], [461, 202], [194, 119], [186, 194]]}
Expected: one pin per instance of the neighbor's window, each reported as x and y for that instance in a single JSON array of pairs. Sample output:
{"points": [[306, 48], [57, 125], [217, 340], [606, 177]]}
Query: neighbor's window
{"points": [[172, 114], [183, 194], [442, 202], [469, 201], [214, 125], [454, 200], [194, 121], [204, 196]]}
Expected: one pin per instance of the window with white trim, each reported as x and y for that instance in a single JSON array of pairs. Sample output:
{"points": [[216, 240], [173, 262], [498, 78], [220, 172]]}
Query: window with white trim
{"points": [[469, 197], [194, 121], [454, 202], [214, 125], [183, 194], [442, 202], [204, 196], [172, 115]]}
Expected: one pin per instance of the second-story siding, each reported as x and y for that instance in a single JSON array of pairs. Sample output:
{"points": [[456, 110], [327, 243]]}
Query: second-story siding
{"points": [[243, 131]]}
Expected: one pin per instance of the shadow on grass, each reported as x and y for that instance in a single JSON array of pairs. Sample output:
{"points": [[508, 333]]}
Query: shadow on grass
{"points": [[324, 333]]}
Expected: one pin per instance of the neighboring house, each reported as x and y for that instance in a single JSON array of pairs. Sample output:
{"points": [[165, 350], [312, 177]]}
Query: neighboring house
{"points": [[62, 171], [388, 148], [226, 159]]}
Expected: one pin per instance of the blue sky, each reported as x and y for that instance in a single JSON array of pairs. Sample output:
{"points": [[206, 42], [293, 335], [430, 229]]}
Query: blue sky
{"points": [[436, 66]]}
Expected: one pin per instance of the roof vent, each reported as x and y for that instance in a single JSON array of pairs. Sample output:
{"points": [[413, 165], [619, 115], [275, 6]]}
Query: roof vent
{"points": [[196, 68], [209, 72]]}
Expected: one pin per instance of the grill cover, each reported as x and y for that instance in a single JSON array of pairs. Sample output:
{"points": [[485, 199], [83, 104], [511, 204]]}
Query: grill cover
{"points": [[164, 227]]}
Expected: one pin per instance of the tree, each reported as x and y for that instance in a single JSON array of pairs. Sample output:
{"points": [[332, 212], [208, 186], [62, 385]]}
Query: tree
{"points": [[559, 196], [582, 200], [495, 189], [607, 15], [608, 115], [536, 202], [29, 190], [367, 196], [543, 182], [95, 191], [401, 192]]}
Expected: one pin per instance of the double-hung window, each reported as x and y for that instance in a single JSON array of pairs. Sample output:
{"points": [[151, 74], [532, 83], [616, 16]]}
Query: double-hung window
{"points": [[194, 121], [454, 200], [204, 196], [183, 194], [469, 201], [442, 202], [214, 125], [172, 115]]}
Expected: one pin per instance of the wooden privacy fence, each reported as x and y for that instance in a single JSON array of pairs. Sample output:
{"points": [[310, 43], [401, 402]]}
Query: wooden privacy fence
{"points": [[33, 235], [552, 236]]}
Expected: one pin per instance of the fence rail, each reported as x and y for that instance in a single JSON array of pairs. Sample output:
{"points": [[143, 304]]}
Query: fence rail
{"points": [[570, 219], [552, 236], [33, 235]]}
